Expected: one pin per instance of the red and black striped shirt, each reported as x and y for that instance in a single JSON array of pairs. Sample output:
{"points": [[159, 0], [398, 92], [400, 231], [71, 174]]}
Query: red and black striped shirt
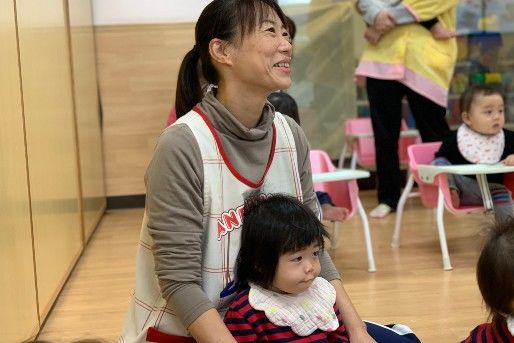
{"points": [[490, 333], [249, 325]]}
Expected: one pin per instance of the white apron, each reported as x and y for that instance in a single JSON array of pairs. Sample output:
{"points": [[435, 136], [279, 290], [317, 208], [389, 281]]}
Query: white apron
{"points": [[224, 193]]}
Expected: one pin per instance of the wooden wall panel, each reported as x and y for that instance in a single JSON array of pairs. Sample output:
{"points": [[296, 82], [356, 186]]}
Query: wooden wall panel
{"points": [[138, 67], [51, 149], [87, 112], [18, 308]]}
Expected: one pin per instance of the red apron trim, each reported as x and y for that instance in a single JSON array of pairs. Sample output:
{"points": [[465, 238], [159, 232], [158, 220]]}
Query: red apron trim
{"points": [[154, 335], [232, 169]]}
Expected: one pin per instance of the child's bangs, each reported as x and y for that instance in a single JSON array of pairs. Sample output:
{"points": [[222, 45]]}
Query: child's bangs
{"points": [[300, 237]]}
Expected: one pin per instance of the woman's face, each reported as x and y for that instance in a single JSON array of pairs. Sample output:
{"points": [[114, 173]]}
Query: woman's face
{"points": [[262, 60]]}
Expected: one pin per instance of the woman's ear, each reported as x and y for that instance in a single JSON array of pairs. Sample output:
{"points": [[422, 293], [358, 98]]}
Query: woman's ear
{"points": [[220, 51]]}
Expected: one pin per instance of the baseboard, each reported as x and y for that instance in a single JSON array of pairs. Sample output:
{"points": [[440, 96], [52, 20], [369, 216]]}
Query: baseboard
{"points": [[126, 201]]}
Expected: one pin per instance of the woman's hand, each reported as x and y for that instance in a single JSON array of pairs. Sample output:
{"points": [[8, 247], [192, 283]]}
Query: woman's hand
{"points": [[361, 337]]}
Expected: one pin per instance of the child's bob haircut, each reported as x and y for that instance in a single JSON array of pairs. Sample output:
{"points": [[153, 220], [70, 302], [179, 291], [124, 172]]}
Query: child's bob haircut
{"points": [[495, 270], [466, 99], [273, 225]]}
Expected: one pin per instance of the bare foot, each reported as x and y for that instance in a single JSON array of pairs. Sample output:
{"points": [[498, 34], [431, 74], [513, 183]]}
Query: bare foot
{"points": [[372, 36], [440, 32], [334, 214], [454, 194]]}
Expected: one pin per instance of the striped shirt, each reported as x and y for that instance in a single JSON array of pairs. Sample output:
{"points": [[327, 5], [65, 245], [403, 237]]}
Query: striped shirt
{"points": [[249, 325], [490, 333]]}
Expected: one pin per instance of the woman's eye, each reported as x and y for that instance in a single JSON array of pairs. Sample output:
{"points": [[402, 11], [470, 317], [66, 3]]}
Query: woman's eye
{"points": [[297, 259], [271, 29]]}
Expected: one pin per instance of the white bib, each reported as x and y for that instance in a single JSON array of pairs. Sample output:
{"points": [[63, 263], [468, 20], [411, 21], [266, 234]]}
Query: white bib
{"points": [[304, 313], [478, 148]]}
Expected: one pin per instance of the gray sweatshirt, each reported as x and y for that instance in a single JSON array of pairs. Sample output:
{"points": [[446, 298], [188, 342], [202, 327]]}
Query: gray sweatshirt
{"points": [[174, 198], [371, 8]]}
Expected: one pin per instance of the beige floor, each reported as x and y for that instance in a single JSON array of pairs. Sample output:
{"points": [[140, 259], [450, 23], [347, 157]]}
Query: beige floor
{"points": [[409, 286]]}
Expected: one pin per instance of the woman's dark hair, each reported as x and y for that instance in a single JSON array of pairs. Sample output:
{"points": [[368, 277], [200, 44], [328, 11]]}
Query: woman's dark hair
{"points": [[291, 27], [466, 99], [227, 20], [285, 104], [272, 226], [495, 270]]}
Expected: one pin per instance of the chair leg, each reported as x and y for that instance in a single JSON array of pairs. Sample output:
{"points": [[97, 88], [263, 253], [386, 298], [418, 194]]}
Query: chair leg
{"points": [[340, 164], [334, 237], [353, 163], [395, 241], [442, 235], [367, 237]]}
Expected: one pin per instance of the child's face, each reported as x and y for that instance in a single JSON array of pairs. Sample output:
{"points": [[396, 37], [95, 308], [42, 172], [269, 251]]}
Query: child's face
{"points": [[486, 115], [296, 270]]}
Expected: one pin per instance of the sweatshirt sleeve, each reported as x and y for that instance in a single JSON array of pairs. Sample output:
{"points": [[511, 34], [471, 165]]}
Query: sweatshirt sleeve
{"points": [[424, 10], [328, 270], [174, 206], [369, 9]]}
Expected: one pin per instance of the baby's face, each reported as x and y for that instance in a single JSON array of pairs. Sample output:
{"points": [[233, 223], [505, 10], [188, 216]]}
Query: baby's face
{"points": [[297, 270], [486, 115]]}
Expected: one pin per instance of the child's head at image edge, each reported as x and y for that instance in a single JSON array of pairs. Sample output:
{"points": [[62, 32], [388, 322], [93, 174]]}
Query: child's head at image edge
{"points": [[495, 270], [280, 244], [285, 104], [482, 109]]}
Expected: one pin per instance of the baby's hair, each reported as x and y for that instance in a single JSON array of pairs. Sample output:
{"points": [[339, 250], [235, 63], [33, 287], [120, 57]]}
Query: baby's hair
{"points": [[495, 270], [466, 99], [272, 226], [285, 104]]}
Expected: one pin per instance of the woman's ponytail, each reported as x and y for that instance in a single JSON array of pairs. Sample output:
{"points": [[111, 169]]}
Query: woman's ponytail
{"points": [[189, 92]]}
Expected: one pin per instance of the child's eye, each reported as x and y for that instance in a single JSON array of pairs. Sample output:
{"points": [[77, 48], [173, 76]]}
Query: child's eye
{"points": [[297, 259], [316, 253]]}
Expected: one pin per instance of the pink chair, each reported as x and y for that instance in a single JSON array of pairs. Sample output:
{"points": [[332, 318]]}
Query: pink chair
{"points": [[359, 134], [433, 195], [344, 194]]}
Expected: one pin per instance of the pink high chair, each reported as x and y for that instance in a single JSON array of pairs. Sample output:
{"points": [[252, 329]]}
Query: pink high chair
{"points": [[359, 135], [344, 193], [433, 195]]}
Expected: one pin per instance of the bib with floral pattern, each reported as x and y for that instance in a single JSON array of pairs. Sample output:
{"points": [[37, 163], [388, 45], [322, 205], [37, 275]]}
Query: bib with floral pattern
{"points": [[304, 313], [478, 148]]}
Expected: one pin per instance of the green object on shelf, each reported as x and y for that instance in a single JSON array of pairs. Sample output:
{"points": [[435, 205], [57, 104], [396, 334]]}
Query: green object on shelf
{"points": [[485, 78], [477, 79]]}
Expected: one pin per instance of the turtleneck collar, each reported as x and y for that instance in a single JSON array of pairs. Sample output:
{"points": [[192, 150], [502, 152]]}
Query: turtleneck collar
{"points": [[225, 122]]}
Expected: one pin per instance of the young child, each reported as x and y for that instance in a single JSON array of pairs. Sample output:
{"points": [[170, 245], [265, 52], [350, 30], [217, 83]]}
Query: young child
{"points": [[281, 297], [394, 12], [285, 104], [481, 138], [495, 276]]}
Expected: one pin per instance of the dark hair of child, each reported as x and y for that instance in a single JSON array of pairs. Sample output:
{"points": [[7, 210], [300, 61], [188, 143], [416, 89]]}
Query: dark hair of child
{"points": [[495, 271], [466, 99], [285, 104], [272, 226]]}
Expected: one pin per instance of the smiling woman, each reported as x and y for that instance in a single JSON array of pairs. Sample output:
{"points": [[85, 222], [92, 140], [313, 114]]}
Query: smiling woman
{"points": [[226, 146]]}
